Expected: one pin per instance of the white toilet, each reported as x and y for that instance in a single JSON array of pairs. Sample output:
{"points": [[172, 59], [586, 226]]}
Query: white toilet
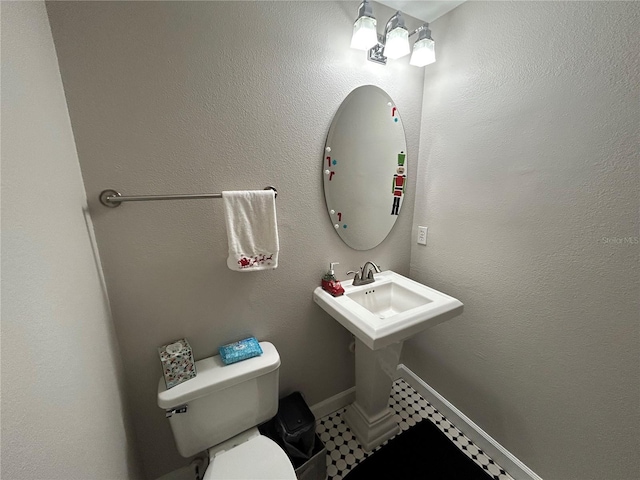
{"points": [[219, 411]]}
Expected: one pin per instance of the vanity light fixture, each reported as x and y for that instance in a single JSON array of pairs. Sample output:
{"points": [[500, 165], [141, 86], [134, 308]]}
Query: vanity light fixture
{"points": [[394, 42]]}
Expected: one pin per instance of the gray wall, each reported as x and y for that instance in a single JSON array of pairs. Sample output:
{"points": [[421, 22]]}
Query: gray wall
{"points": [[210, 96], [62, 401], [528, 181]]}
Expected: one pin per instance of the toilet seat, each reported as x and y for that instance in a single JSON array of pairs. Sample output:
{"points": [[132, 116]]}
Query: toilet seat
{"points": [[256, 459]]}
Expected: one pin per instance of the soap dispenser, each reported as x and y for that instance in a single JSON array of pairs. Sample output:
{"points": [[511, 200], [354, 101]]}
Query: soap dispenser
{"points": [[329, 282]]}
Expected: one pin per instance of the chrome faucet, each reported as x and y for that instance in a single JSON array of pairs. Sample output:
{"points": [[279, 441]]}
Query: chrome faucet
{"points": [[364, 275]]}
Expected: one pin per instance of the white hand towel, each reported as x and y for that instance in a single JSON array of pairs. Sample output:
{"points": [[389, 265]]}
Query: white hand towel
{"points": [[252, 230]]}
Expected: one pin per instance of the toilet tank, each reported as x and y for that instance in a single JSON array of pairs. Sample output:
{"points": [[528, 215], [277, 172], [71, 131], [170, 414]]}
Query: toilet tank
{"points": [[222, 400]]}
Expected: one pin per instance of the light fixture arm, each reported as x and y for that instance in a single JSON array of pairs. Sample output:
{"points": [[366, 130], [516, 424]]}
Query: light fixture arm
{"points": [[423, 32], [397, 20], [365, 9]]}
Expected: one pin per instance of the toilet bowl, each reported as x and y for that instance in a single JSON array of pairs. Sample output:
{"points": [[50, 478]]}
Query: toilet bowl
{"points": [[254, 457], [219, 411]]}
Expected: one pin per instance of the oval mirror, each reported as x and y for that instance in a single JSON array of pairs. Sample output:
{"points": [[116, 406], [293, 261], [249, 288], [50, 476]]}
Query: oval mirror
{"points": [[364, 167]]}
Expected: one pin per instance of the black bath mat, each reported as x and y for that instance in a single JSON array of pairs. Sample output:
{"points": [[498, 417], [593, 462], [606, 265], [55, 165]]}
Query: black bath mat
{"points": [[422, 452]]}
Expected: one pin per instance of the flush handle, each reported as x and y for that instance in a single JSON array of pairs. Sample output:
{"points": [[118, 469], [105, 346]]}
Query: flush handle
{"points": [[172, 411]]}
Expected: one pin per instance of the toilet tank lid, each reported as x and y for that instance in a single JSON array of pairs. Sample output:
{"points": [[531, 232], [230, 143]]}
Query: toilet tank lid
{"points": [[213, 375]]}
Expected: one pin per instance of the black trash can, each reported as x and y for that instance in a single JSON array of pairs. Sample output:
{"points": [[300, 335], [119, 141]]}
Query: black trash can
{"points": [[296, 426], [294, 429]]}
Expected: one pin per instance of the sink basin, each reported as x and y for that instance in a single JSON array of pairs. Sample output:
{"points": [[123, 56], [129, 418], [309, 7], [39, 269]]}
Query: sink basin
{"points": [[387, 299], [389, 310]]}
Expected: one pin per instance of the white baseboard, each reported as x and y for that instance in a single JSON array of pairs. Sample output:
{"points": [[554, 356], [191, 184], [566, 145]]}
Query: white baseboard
{"points": [[502, 456], [334, 403]]}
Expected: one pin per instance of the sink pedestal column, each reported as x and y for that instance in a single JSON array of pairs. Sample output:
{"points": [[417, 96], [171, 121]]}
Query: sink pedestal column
{"points": [[369, 417]]}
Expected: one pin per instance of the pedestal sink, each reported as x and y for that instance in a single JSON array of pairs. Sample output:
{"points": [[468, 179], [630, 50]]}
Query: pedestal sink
{"points": [[382, 315]]}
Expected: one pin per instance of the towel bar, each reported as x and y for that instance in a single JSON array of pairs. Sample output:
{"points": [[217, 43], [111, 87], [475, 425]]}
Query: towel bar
{"points": [[112, 198]]}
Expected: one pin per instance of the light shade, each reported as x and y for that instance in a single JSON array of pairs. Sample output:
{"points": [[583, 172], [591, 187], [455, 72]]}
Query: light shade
{"points": [[424, 52], [365, 34], [397, 43]]}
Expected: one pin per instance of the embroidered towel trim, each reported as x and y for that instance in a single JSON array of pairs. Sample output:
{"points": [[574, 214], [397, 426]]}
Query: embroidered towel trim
{"points": [[252, 230]]}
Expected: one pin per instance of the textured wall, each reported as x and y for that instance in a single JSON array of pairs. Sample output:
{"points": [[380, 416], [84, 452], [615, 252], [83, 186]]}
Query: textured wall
{"points": [[210, 96], [528, 181], [62, 406]]}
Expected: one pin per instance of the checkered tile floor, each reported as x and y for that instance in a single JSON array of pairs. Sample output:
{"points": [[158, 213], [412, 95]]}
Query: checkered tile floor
{"points": [[344, 452]]}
